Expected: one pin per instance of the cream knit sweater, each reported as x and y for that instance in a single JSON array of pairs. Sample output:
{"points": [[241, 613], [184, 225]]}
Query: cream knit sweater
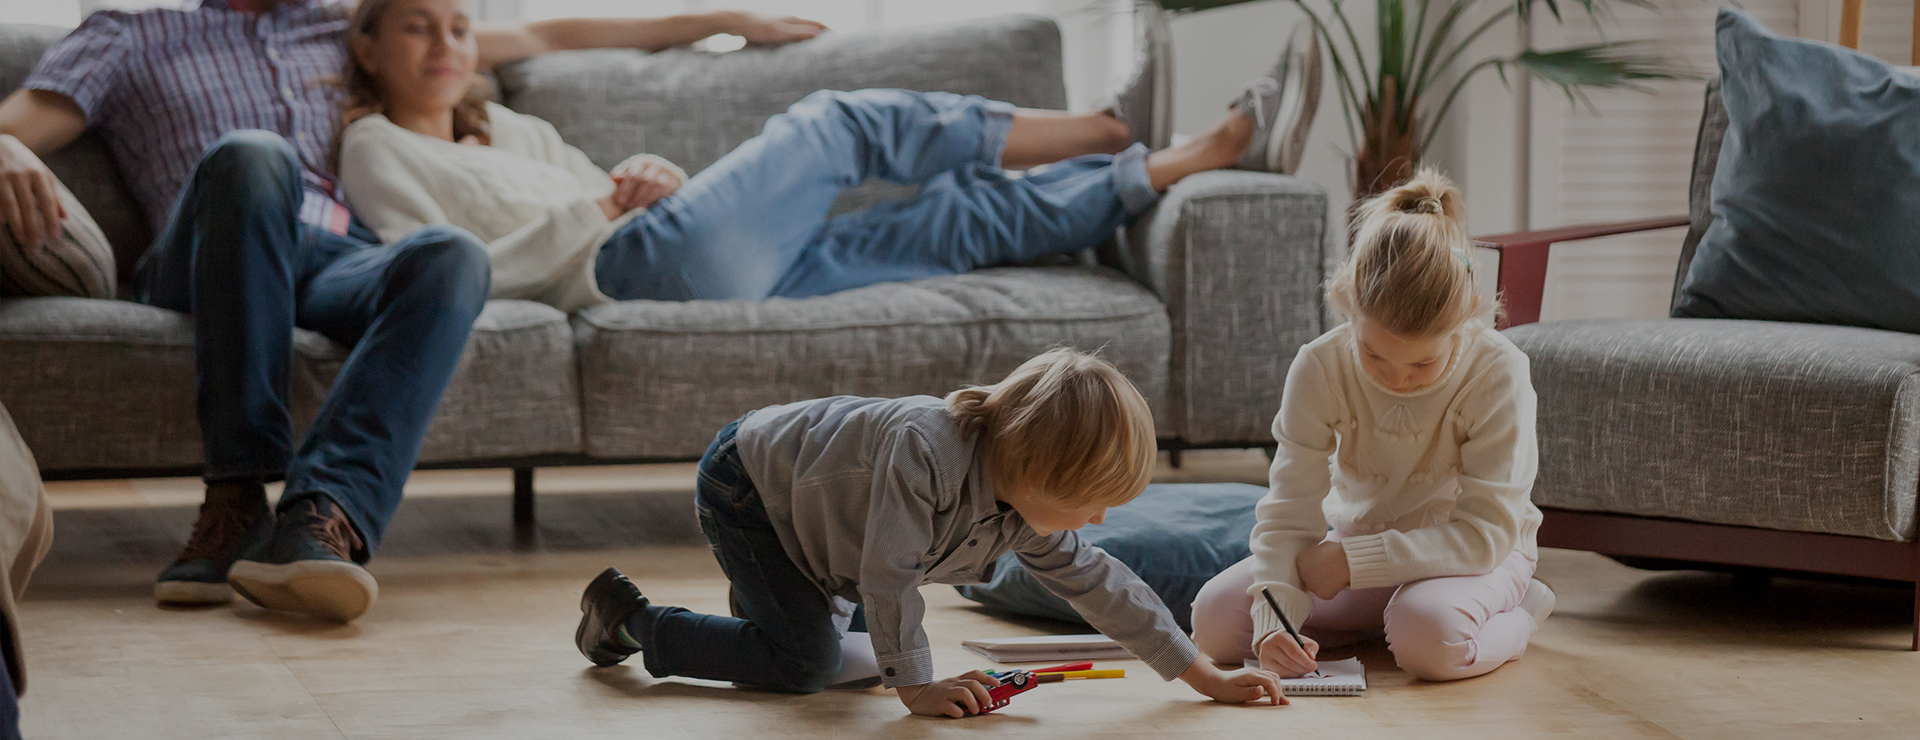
{"points": [[1430, 483], [529, 196]]}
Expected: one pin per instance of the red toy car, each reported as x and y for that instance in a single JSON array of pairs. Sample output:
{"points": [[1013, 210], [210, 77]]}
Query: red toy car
{"points": [[1014, 683]]}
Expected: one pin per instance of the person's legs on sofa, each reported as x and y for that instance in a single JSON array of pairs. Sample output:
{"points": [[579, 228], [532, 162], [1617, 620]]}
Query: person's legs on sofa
{"points": [[732, 230], [406, 309], [229, 257]]}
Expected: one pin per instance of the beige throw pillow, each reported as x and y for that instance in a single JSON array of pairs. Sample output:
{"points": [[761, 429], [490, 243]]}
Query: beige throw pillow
{"points": [[78, 263]]}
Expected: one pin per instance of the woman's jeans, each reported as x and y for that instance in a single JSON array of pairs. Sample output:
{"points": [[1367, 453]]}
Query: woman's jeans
{"points": [[754, 225], [784, 637]]}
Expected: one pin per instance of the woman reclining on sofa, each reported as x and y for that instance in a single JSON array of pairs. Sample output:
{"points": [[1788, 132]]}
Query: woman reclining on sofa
{"points": [[422, 147]]}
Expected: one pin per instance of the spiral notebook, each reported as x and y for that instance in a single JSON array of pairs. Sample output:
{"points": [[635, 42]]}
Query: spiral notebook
{"points": [[1335, 678]]}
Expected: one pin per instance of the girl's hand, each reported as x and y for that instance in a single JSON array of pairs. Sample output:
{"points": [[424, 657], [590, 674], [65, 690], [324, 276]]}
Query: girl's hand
{"points": [[642, 184], [1233, 687], [949, 697], [1323, 569], [1280, 654]]}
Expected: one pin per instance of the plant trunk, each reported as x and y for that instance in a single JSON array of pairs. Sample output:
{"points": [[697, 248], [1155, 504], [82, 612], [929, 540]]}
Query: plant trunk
{"points": [[1388, 153]]}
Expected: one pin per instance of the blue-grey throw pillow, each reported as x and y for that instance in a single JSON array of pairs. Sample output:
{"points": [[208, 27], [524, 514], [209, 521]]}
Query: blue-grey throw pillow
{"points": [[1175, 536], [1816, 202]]}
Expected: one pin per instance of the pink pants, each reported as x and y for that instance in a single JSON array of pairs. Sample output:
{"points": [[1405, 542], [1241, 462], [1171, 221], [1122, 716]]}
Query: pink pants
{"points": [[1439, 629]]}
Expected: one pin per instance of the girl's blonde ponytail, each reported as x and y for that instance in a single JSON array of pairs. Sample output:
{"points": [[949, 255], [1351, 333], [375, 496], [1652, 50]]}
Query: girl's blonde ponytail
{"points": [[1411, 269]]}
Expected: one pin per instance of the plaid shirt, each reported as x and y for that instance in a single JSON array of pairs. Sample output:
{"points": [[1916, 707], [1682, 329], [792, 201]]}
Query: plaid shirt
{"points": [[165, 84]]}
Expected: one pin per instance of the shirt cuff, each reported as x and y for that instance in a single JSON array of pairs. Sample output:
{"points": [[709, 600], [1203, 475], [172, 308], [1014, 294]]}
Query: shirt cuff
{"points": [[910, 668], [1170, 658], [1296, 603], [656, 159], [1367, 562]]}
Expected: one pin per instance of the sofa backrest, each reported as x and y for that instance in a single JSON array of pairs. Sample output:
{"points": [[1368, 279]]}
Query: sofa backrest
{"points": [[693, 107], [690, 107], [84, 166], [1706, 160]]}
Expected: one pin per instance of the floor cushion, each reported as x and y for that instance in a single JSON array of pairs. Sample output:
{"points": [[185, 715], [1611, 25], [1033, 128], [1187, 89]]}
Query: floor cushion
{"points": [[1175, 536]]}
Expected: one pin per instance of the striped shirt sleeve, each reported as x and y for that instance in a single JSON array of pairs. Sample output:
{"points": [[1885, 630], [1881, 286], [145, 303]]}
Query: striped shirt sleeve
{"points": [[893, 558], [86, 66]]}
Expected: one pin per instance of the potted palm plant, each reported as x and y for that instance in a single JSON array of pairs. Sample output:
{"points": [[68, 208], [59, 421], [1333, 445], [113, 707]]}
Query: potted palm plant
{"points": [[1395, 100]]}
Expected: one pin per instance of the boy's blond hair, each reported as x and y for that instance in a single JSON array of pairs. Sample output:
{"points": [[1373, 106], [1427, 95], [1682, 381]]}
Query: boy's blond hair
{"points": [[1410, 270], [1066, 427]]}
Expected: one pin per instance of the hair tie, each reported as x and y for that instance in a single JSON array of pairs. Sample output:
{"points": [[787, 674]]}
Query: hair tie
{"points": [[1465, 260]]}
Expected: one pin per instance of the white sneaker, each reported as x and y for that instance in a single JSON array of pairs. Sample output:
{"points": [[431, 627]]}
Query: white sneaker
{"points": [[1538, 601], [1282, 104], [1145, 100]]}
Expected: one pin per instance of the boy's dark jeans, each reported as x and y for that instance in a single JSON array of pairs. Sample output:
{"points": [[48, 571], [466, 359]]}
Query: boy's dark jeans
{"points": [[784, 638]]}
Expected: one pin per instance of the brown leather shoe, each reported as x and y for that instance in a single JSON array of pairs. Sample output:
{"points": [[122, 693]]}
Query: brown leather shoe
{"points": [[233, 519]]}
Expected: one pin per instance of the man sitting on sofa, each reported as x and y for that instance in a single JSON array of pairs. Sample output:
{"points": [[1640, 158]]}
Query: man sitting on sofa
{"points": [[221, 117]]}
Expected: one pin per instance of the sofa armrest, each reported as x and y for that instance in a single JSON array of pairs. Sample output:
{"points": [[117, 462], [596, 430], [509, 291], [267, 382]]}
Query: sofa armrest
{"points": [[1523, 261], [1239, 258]]}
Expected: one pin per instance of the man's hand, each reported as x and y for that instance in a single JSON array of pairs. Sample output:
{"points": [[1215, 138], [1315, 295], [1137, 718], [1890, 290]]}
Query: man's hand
{"points": [[29, 196], [642, 184], [1233, 687], [1323, 569], [768, 30], [1280, 654], [949, 697]]}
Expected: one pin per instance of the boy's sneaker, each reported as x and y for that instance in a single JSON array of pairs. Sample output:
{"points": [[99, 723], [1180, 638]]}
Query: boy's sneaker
{"points": [[234, 519], [1145, 100], [610, 600], [1282, 104], [309, 566], [1538, 600]]}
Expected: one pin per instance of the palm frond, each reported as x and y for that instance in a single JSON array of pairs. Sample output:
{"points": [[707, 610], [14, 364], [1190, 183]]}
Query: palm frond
{"points": [[1604, 65]]}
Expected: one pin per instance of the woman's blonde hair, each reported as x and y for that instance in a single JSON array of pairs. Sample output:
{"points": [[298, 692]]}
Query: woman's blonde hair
{"points": [[363, 95], [1067, 427], [1411, 269]]}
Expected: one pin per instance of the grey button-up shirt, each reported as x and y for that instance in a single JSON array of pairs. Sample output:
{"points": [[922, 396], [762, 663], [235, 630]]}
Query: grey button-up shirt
{"points": [[874, 497]]}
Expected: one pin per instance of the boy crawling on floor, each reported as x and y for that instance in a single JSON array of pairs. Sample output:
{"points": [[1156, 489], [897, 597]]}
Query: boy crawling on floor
{"points": [[815, 506]]}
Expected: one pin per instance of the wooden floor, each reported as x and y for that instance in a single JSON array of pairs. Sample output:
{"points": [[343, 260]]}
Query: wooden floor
{"points": [[471, 639]]}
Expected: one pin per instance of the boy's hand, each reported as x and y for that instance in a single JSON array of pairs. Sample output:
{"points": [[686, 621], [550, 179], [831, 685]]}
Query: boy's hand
{"points": [[949, 697], [1233, 687], [1323, 569], [1280, 654]]}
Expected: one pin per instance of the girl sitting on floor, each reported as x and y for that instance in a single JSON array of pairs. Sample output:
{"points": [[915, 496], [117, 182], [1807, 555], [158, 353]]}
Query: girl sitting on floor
{"points": [[1400, 489]]}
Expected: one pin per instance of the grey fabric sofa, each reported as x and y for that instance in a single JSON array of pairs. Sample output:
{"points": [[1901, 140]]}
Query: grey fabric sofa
{"points": [[1718, 443], [1203, 302]]}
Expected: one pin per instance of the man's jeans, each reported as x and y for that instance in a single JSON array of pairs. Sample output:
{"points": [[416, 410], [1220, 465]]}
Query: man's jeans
{"points": [[236, 257], [754, 225], [785, 638]]}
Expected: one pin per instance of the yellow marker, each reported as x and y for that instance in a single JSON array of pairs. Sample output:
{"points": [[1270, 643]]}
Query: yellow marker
{"points": [[1107, 673]]}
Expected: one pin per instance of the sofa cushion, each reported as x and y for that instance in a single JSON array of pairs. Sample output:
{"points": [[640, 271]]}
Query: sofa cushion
{"points": [[109, 384], [1818, 175], [1795, 427], [515, 393], [1176, 537], [659, 378]]}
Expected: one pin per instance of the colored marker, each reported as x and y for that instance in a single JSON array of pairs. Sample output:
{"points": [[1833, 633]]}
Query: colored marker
{"points": [[1086, 666], [1107, 673]]}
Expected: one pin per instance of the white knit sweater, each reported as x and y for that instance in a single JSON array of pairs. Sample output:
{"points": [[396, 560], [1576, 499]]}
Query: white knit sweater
{"points": [[529, 196], [1430, 483]]}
